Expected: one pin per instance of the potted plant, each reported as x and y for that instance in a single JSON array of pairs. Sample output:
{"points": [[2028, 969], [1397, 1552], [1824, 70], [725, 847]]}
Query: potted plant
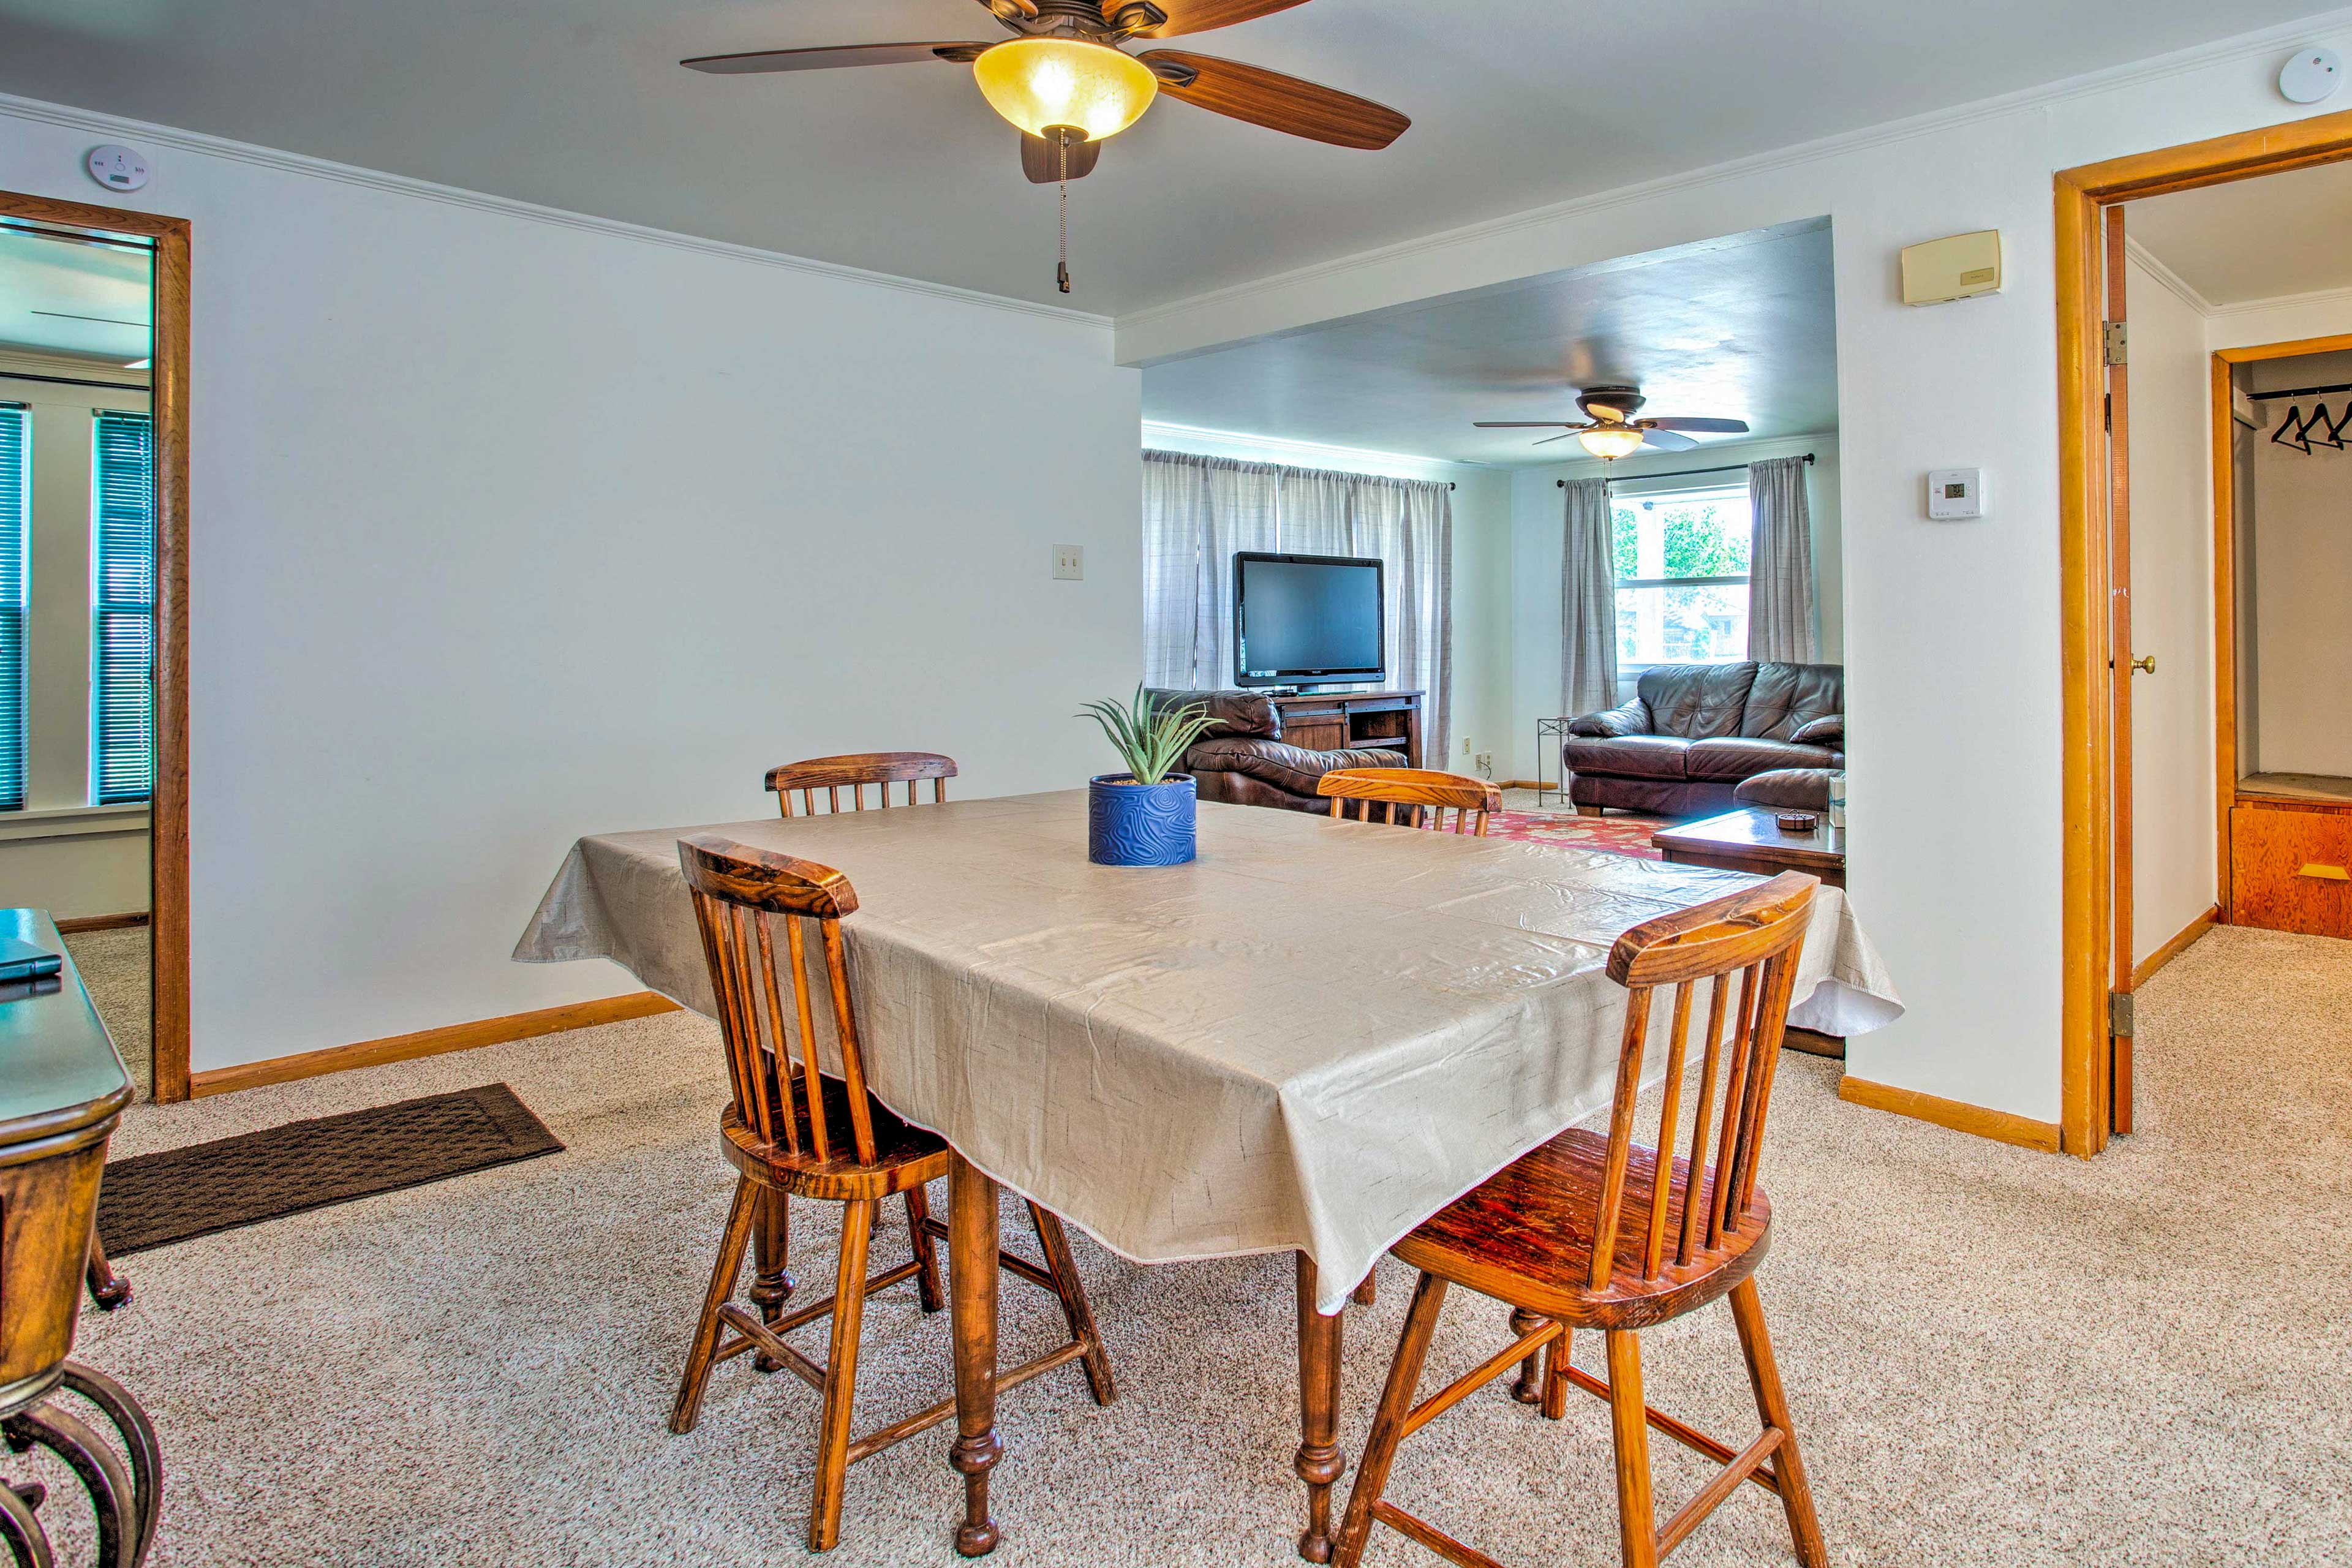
{"points": [[1145, 815]]}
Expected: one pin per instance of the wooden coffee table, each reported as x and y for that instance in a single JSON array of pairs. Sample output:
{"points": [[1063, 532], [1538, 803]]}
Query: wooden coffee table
{"points": [[1749, 839]]}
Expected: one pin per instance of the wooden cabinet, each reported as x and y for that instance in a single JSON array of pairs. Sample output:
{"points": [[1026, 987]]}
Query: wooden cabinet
{"points": [[2291, 867], [1346, 720]]}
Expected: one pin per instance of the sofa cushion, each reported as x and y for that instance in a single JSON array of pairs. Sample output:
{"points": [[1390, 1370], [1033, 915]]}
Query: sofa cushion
{"points": [[1787, 789], [1626, 756], [1829, 732], [1696, 701], [1234, 712], [1787, 697], [1743, 756], [1293, 768], [1628, 719]]}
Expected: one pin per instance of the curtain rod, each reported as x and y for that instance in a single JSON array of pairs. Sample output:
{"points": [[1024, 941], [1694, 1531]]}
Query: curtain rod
{"points": [[72, 381], [1685, 473], [2299, 392]]}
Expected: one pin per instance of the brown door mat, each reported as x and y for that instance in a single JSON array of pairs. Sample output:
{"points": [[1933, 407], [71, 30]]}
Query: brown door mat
{"points": [[149, 1200]]}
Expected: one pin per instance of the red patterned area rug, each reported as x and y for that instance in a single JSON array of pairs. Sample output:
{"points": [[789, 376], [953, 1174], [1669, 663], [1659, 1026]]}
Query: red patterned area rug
{"points": [[1617, 833]]}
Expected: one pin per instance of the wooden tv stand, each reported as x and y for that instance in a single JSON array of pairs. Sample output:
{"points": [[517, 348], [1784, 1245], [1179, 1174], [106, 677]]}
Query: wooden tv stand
{"points": [[1354, 720]]}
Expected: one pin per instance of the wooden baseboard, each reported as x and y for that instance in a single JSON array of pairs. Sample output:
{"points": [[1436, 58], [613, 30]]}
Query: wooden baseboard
{"points": [[2002, 1126], [101, 923], [2145, 969], [1528, 783], [432, 1042]]}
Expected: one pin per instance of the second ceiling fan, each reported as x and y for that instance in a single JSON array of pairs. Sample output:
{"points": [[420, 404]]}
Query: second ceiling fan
{"points": [[1611, 429]]}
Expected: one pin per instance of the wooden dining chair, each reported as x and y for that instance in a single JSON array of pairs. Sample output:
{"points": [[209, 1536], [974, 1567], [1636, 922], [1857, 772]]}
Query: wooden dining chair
{"points": [[793, 1129], [1425, 794], [854, 771], [1594, 1232]]}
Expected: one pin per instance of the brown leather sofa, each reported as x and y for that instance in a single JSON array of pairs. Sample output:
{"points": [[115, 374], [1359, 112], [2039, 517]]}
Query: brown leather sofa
{"points": [[1241, 759], [1692, 733]]}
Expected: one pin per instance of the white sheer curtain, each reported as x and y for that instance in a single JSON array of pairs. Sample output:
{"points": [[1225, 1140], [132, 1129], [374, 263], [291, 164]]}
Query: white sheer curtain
{"points": [[1588, 602], [1780, 564], [1197, 514], [1198, 511]]}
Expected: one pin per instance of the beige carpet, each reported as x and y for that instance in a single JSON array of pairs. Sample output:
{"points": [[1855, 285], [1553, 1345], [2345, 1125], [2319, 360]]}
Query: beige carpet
{"points": [[113, 966], [1995, 1356]]}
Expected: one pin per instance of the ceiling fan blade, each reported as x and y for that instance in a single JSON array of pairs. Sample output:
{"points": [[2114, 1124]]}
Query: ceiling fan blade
{"points": [[763, 60], [1200, 15], [1704, 427], [1277, 101], [1562, 436], [1659, 440], [1041, 161], [1523, 425]]}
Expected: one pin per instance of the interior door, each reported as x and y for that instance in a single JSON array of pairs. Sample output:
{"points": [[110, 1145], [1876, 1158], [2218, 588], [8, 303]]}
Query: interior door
{"points": [[2119, 664]]}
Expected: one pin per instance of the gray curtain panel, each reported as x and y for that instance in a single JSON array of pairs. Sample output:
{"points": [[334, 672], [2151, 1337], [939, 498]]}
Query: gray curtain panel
{"points": [[1588, 603], [1198, 511], [1780, 564]]}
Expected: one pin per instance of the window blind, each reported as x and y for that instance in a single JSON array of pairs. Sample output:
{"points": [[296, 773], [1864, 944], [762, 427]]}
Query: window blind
{"points": [[122, 592], [15, 492]]}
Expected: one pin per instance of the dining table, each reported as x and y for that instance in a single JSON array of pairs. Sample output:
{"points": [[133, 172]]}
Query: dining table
{"points": [[1307, 1039]]}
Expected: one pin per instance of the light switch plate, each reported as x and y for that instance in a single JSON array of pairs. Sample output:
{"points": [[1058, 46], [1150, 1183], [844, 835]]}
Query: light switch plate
{"points": [[1954, 494], [1069, 562]]}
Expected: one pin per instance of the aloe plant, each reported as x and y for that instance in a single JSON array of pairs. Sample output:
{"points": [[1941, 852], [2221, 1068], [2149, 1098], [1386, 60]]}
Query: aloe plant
{"points": [[1149, 740]]}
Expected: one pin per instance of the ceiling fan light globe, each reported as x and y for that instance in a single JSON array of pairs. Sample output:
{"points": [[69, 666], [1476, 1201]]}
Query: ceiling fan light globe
{"points": [[1038, 83], [1610, 440]]}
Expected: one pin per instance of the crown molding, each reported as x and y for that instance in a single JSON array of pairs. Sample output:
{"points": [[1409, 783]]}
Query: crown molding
{"points": [[2173, 281], [37, 112], [1886, 133], [36, 362], [2317, 296], [1196, 441]]}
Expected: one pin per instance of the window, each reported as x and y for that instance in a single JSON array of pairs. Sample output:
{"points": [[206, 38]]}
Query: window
{"points": [[1681, 560], [16, 496], [122, 609]]}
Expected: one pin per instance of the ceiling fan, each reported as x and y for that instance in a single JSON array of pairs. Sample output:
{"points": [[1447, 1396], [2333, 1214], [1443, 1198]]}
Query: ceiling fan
{"points": [[1065, 79], [1610, 430]]}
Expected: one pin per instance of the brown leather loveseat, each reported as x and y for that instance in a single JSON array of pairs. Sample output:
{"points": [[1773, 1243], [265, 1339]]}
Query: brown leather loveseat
{"points": [[1242, 759], [1693, 731]]}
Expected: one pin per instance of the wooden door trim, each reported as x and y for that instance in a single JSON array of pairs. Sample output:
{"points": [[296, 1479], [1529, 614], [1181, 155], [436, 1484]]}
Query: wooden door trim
{"points": [[168, 408], [2087, 784]]}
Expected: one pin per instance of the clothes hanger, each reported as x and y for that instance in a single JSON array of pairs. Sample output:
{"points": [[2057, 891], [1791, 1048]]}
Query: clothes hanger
{"points": [[2290, 430], [2324, 429]]}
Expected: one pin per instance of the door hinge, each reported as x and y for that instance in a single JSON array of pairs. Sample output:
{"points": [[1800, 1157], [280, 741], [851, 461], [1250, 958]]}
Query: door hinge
{"points": [[2116, 338], [2120, 1015]]}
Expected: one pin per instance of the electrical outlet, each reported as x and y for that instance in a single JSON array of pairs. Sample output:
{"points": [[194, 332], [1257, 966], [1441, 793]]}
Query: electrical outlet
{"points": [[1487, 764], [1069, 562], [1465, 746]]}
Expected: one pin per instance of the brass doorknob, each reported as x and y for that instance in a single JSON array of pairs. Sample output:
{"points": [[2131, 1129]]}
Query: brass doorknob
{"points": [[2145, 663]]}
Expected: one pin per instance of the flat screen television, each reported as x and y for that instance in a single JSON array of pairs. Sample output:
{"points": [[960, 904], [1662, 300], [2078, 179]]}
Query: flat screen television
{"points": [[1307, 620]]}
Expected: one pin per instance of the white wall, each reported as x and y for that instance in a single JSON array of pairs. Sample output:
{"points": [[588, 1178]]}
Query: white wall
{"points": [[1538, 515], [512, 527], [2303, 584], [1482, 569], [1951, 630], [60, 853], [2173, 864]]}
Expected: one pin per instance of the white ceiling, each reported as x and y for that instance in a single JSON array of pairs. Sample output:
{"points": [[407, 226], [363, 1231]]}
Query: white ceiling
{"points": [[580, 104], [65, 297], [1742, 328], [2254, 239]]}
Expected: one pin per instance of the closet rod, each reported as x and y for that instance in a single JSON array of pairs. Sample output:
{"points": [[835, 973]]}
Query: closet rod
{"points": [[2300, 392], [1684, 473]]}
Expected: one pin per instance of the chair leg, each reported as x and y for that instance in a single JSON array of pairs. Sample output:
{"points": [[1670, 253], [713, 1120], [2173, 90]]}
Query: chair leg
{"points": [[1388, 1423], [840, 1376], [771, 1280], [927, 1257], [1773, 1406], [1629, 1423], [1534, 1372], [731, 1242], [1365, 1294], [1555, 1375], [107, 1287], [1075, 1309]]}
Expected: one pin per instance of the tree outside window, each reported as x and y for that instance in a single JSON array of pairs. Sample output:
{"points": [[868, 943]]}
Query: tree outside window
{"points": [[1681, 560]]}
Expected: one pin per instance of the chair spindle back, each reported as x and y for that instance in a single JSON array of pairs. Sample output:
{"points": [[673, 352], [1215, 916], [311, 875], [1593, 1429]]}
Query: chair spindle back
{"points": [[852, 772], [1425, 794], [1755, 937], [740, 895]]}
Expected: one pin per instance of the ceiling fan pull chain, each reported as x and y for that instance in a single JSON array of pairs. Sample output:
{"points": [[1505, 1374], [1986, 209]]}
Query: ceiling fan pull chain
{"points": [[1062, 264]]}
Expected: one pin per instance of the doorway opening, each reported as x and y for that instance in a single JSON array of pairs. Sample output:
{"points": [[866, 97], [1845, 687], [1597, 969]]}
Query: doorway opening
{"points": [[2113, 935], [93, 604]]}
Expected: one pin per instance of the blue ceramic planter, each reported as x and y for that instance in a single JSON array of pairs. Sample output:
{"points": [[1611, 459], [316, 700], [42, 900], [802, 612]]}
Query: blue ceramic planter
{"points": [[1129, 823]]}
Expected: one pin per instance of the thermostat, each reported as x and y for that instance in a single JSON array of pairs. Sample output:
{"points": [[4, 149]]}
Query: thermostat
{"points": [[1955, 493], [116, 168]]}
